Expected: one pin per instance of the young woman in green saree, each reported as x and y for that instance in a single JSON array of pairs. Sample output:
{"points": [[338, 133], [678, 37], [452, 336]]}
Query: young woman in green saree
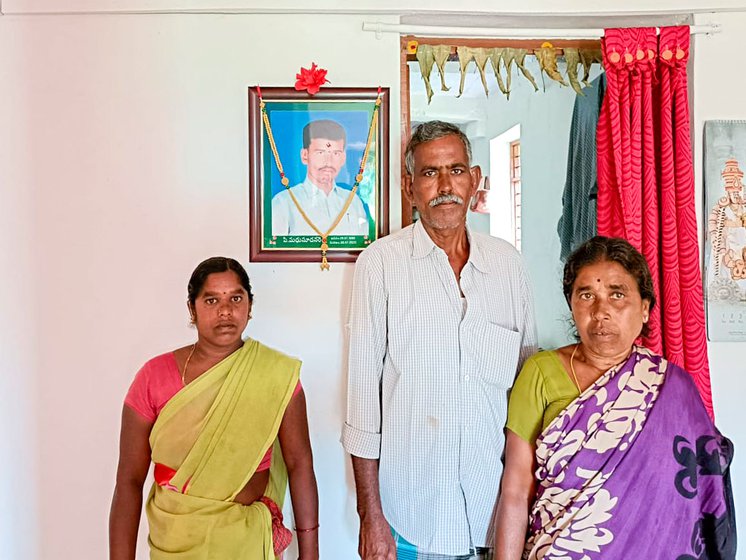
{"points": [[224, 421]]}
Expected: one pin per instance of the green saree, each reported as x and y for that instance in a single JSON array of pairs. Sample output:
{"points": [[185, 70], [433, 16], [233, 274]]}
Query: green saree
{"points": [[213, 434]]}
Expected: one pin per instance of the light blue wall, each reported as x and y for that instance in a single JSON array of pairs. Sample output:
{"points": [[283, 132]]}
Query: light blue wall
{"points": [[544, 117]]}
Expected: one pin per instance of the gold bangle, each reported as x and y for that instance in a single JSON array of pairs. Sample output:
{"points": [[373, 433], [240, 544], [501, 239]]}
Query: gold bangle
{"points": [[306, 530]]}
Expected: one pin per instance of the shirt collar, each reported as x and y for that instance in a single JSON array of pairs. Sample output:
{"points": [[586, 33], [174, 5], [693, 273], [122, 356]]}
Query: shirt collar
{"points": [[423, 245], [312, 189]]}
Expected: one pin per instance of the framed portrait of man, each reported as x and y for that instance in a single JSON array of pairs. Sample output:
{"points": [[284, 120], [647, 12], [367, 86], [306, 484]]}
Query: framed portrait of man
{"points": [[318, 173]]}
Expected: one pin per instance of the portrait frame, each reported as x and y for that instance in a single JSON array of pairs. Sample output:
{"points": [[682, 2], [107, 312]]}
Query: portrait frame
{"points": [[288, 112]]}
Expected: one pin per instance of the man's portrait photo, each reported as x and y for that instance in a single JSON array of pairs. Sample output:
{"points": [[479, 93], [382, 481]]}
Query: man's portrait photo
{"points": [[324, 155], [320, 143]]}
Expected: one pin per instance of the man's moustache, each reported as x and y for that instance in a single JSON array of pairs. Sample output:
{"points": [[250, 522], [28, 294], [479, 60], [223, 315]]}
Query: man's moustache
{"points": [[445, 198]]}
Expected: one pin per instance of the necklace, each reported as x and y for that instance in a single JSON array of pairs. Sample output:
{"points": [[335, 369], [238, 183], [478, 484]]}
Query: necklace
{"points": [[286, 182], [186, 364], [572, 367]]}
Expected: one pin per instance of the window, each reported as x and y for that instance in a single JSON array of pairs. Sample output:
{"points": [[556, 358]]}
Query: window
{"points": [[515, 190]]}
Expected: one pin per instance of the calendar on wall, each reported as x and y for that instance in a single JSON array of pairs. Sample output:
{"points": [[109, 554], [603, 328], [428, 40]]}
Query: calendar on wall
{"points": [[725, 239]]}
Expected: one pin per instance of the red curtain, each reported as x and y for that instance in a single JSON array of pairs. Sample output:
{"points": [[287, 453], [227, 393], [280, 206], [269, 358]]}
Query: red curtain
{"points": [[646, 183]]}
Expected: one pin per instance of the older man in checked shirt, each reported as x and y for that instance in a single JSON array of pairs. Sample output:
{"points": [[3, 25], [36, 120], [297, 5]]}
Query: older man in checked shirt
{"points": [[441, 320]]}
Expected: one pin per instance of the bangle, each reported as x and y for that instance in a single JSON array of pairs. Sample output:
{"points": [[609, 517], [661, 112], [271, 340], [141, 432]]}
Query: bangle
{"points": [[306, 530]]}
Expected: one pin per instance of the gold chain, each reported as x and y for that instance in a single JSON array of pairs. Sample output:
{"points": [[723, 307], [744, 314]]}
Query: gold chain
{"points": [[186, 364], [286, 182], [572, 367]]}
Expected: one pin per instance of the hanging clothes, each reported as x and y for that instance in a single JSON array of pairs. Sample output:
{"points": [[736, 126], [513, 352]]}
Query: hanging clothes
{"points": [[578, 221]]}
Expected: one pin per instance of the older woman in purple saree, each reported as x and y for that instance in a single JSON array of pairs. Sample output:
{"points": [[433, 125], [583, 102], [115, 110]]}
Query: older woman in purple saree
{"points": [[610, 452]]}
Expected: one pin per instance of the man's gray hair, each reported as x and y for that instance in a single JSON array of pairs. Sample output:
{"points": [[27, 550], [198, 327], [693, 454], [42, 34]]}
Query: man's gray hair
{"points": [[433, 130]]}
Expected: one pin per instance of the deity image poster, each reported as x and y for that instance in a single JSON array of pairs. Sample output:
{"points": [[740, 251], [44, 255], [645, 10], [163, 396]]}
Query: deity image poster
{"points": [[725, 247]]}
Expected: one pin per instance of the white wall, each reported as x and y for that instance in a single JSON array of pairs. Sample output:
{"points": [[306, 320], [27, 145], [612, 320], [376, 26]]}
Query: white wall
{"points": [[718, 94], [124, 140], [122, 164], [19, 309]]}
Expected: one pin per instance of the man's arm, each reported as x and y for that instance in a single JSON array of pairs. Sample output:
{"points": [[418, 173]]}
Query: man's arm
{"points": [[361, 434], [376, 541], [529, 342]]}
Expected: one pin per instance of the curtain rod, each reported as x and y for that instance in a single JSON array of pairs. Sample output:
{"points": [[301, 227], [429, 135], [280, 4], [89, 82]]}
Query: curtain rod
{"points": [[378, 27]]}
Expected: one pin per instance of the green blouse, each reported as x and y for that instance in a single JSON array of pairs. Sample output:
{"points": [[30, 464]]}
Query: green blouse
{"points": [[541, 391]]}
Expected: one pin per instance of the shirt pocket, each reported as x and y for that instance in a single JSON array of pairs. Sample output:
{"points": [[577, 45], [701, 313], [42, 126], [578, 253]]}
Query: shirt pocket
{"points": [[497, 350]]}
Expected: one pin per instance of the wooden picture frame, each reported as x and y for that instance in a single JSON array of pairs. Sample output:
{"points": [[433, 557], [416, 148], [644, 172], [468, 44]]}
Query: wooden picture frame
{"points": [[278, 231]]}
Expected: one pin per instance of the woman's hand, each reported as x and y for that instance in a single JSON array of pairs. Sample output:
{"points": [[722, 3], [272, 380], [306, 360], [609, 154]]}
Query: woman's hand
{"points": [[296, 451], [516, 497], [126, 505]]}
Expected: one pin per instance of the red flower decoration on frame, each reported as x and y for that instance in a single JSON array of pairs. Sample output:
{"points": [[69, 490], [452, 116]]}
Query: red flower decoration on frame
{"points": [[311, 79]]}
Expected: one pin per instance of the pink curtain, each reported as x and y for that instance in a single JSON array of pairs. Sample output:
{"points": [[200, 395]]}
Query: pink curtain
{"points": [[646, 183]]}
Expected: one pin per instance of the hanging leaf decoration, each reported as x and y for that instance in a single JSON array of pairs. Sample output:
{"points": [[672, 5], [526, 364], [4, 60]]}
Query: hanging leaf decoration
{"points": [[547, 57], [588, 57], [572, 59], [520, 60], [426, 59], [441, 54], [504, 58], [465, 56], [496, 58], [508, 60], [481, 56]]}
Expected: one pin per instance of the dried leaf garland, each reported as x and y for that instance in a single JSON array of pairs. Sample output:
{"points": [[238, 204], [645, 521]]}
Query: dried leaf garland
{"points": [[496, 57], [504, 57], [547, 57], [481, 56], [572, 59], [520, 60], [588, 57], [426, 59], [465, 56], [441, 54]]}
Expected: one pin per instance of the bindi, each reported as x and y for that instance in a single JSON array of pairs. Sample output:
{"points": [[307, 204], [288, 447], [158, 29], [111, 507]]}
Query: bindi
{"points": [[328, 144], [598, 280]]}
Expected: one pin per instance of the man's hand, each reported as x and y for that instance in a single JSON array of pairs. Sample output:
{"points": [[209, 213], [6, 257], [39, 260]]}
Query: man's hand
{"points": [[376, 540]]}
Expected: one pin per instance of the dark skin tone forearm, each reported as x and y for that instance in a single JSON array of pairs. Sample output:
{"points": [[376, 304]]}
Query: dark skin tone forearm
{"points": [[126, 505], [296, 451], [516, 497], [376, 541]]}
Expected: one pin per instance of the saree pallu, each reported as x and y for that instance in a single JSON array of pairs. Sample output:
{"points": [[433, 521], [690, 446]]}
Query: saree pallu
{"points": [[213, 434], [633, 468]]}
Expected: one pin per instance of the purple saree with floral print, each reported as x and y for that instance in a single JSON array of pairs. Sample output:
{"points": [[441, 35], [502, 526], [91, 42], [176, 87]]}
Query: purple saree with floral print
{"points": [[633, 468]]}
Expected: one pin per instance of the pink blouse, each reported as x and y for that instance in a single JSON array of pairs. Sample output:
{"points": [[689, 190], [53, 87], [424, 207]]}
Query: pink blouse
{"points": [[157, 382]]}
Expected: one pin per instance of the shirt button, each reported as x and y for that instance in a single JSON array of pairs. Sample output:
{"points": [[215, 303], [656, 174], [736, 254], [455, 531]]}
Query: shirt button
{"points": [[466, 378]]}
